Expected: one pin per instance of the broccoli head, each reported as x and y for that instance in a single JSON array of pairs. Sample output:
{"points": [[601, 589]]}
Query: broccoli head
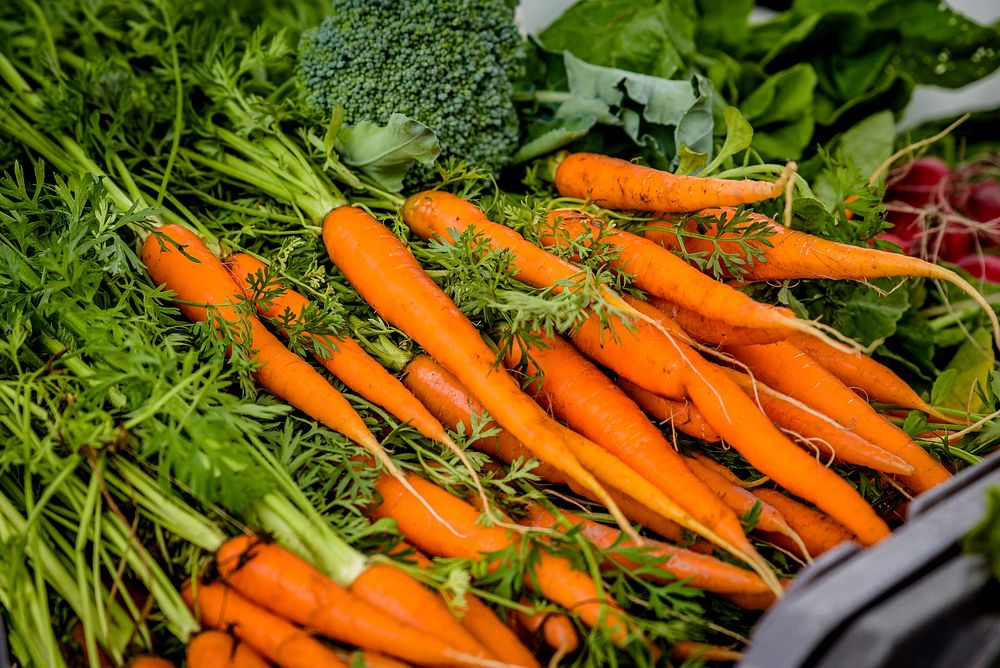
{"points": [[446, 63]]}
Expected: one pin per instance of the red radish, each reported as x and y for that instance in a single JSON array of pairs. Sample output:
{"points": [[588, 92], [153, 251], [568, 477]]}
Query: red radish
{"points": [[982, 202], [982, 266], [916, 185]]}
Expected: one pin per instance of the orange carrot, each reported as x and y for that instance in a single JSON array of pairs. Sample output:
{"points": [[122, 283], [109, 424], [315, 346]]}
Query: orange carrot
{"points": [[556, 578], [793, 254], [481, 621], [369, 659], [680, 414], [271, 636], [389, 278], [856, 370], [686, 649], [619, 184], [150, 662], [572, 386], [819, 532], [346, 360], [789, 370], [182, 262], [818, 432], [215, 649], [739, 499], [554, 627], [278, 580], [452, 404], [698, 570], [740, 422], [659, 272], [439, 390]]}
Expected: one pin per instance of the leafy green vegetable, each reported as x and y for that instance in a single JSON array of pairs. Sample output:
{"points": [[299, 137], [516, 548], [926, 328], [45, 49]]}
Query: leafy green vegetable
{"points": [[972, 365], [386, 153]]}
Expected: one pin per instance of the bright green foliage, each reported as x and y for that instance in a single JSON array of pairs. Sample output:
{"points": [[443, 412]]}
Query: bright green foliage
{"points": [[446, 63]]}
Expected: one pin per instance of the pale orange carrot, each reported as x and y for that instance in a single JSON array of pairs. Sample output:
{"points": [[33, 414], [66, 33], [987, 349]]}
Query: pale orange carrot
{"points": [[619, 184], [792, 254], [680, 414], [793, 372]]}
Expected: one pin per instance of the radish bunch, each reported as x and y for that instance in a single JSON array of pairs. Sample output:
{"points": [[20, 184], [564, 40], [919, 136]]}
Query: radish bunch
{"points": [[949, 214]]}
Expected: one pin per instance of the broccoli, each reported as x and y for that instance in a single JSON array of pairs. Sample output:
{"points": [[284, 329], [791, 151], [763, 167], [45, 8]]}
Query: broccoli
{"points": [[446, 63]]}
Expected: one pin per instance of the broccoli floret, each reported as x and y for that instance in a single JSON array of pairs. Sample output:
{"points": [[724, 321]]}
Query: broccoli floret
{"points": [[446, 63]]}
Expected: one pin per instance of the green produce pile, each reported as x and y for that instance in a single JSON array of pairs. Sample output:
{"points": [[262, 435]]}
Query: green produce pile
{"points": [[234, 235]]}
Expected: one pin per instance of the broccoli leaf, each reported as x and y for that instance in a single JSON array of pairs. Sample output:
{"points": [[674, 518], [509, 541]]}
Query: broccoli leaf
{"points": [[545, 137], [386, 153], [660, 114]]}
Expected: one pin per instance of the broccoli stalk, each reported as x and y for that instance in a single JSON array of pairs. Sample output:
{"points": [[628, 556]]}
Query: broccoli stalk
{"points": [[446, 63]]}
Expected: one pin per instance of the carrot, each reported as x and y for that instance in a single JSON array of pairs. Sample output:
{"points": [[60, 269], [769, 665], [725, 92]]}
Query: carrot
{"points": [[274, 638], [369, 659], [698, 570], [789, 370], [389, 278], [453, 405], [571, 386], [619, 184], [481, 621], [756, 601], [686, 649], [278, 580], [346, 360], [855, 369], [150, 662], [794, 254], [739, 499], [659, 272], [439, 390], [557, 580], [818, 432], [819, 532], [215, 649], [555, 628], [680, 414], [740, 422], [180, 260]]}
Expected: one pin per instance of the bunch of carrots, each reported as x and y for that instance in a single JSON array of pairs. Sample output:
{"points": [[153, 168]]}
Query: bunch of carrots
{"points": [[599, 400]]}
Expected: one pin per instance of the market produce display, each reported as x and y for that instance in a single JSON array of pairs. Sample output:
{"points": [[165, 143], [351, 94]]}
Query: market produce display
{"points": [[380, 334]]}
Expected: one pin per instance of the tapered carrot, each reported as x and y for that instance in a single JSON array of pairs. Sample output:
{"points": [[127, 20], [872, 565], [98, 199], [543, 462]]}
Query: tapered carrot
{"points": [[178, 258], [215, 649], [686, 649], [819, 532], [443, 393], [439, 390], [818, 432], [793, 372], [793, 254], [572, 386], [739, 499], [555, 628], [389, 278], [557, 580], [271, 636], [619, 184], [872, 380], [740, 422], [278, 580], [345, 359], [481, 621], [659, 272], [681, 414], [698, 570]]}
